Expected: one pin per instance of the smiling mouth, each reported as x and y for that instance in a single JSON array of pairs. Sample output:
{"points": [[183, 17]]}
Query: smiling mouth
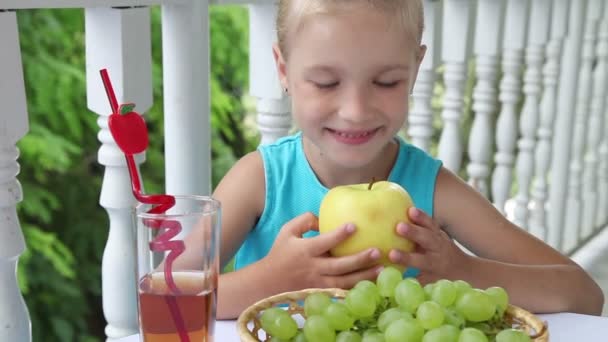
{"points": [[353, 137]]}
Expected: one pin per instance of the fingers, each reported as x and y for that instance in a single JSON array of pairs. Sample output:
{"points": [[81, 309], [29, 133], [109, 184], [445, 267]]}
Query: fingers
{"points": [[301, 224], [420, 218], [421, 236], [350, 263], [412, 259], [326, 241]]}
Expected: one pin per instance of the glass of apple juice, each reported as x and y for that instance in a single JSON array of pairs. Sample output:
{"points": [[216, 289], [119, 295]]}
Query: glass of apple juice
{"points": [[178, 269]]}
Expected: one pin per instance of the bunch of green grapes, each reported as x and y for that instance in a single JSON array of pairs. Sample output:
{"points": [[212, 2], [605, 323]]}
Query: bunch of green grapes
{"points": [[394, 309]]}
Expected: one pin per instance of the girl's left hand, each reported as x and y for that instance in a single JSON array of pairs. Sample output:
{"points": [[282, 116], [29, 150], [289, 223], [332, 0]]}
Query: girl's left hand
{"points": [[436, 255]]}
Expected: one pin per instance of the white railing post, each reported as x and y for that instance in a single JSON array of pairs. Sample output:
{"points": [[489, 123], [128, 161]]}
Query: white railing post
{"points": [[548, 108], [601, 216], [456, 22], [273, 106], [15, 322], [187, 110], [567, 93], [535, 55], [510, 94], [420, 120], [579, 191], [119, 40], [487, 52]]}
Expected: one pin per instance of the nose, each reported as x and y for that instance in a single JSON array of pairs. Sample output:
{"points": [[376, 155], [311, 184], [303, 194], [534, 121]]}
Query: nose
{"points": [[355, 104]]}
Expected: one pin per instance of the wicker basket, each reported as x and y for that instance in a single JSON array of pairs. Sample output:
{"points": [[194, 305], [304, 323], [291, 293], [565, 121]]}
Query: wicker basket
{"points": [[248, 324]]}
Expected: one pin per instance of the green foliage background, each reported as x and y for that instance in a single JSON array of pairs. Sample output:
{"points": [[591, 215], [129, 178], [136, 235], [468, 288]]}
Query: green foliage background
{"points": [[64, 226]]}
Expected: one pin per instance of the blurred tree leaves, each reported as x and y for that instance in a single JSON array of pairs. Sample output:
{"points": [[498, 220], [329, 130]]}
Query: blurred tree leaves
{"points": [[64, 226]]}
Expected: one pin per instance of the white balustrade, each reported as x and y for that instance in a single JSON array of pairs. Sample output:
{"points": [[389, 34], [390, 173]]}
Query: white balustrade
{"points": [[119, 40], [548, 108], [420, 120], [273, 106], [601, 216], [186, 73], [567, 93], [538, 33], [490, 14], [14, 317], [510, 94], [456, 24]]}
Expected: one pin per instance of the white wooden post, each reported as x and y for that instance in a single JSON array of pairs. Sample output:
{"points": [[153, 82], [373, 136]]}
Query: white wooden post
{"points": [[510, 94], [601, 216], [454, 52], [528, 122], [490, 14], [118, 40], [185, 34], [548, 108], [273, 106], [583, 101], [420, 120], [567, 93], [15, 322]]}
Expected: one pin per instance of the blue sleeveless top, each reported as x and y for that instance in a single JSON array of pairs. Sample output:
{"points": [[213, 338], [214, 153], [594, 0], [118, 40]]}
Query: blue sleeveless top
{"points": [[288, 173]]}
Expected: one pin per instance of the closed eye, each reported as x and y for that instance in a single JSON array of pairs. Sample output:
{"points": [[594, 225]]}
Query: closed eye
{"points": [[387, 84], [327, 85]]}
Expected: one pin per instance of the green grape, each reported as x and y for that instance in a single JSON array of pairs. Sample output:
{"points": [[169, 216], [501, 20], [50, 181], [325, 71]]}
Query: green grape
{"points": [[404, 330], [317, 329], [428, 290], [472, 335], [500, 298], [454, 318], [512, 335], [409, 295], [348, 336], [430, 315], [360, 303], [444, 333], [444, 293], [276, 339], [338, 316], [476, 306], [299, 337], [315, 303], [391, 315], [370, 288], [279, 323], [387, 281], [461, 287], [372, 336]]}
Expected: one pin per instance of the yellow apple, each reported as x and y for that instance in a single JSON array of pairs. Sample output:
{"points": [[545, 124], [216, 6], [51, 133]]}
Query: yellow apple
{"points": [[375, 209]]}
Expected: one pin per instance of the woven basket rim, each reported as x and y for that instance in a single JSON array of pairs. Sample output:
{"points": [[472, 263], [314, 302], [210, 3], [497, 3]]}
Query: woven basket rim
{"points": [[516, 314]]}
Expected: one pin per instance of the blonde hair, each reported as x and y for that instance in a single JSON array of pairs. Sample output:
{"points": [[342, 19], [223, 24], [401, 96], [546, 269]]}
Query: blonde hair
{"points": [[408, 12]]}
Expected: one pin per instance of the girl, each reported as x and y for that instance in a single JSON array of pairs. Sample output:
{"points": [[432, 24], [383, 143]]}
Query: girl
{"points": [[349, 66]]}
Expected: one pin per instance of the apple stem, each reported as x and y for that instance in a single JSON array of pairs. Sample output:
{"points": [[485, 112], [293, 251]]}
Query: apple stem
{"points": [[371, 183]]}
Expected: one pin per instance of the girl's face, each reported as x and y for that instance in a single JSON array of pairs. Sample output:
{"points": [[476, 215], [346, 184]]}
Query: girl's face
{"points": [[349, 75]]}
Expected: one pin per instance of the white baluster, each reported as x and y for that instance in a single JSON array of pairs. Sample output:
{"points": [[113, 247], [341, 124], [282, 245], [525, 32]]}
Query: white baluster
{"points": [[567, 92], [601, 215], [454, 54], [273, 107], [15, 322], [185, 34], [490, 14], [119, 40], [420, 120], [528, 122], [510, 94], [548, 108], [573, 233], [596, 101]]}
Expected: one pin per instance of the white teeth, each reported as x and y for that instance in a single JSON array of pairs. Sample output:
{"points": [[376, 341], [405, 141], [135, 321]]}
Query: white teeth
{"points": [[352, 136]]}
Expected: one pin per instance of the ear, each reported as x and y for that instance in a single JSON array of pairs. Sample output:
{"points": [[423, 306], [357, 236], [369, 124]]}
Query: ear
{"points": [[280, 64], [419, 57]]}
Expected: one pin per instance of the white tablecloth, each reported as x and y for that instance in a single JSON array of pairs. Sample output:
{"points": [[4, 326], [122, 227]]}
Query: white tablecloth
{"points": [[563, 327]]}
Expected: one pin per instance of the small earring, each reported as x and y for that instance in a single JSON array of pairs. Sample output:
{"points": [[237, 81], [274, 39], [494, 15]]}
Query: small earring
{"points": [[286, 90]]}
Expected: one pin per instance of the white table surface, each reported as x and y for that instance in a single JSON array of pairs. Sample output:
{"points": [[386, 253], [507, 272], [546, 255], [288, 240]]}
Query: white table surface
{"points": [[563, 327]]}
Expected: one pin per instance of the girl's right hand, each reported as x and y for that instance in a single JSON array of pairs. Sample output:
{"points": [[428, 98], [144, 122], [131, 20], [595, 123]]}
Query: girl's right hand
{"points": [[306, 262]]}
